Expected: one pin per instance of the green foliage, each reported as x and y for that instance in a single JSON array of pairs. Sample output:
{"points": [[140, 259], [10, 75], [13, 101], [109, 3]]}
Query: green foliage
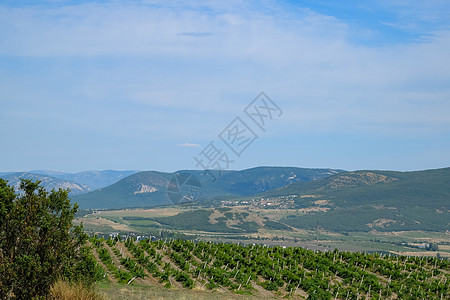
{"points": [[122, 276], [276, 226], [283, 270], [185, 280], [38, 242], [199, 220], [361, 218]]}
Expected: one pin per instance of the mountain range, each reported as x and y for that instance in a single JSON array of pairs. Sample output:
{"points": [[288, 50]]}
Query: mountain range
{"points": [[78, 183], [151, 188], [47, 181], [92, 179], [334, 200]]}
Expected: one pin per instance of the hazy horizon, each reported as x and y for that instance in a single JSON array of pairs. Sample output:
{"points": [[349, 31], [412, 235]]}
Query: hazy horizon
{"points": [[176, 170]]}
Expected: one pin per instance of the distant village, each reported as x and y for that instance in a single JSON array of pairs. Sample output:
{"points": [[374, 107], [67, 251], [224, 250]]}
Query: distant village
{"points": [[264, 203]]}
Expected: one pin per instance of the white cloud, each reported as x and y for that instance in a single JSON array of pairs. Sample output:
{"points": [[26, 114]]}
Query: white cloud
{"points": [[133, 29], [174, 70], [189, 145]]}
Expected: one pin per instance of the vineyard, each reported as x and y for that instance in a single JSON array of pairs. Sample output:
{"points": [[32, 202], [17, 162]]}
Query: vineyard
{"points": [[272, 271]]}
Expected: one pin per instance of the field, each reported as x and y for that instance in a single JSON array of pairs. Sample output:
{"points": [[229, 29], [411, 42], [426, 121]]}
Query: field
{"points": [[260, 226], [179, 269]]}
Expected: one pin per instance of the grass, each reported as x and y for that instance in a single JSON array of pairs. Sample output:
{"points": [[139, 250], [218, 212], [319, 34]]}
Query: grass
{"points": [[63, 290], [114, 219], [117, 291]]}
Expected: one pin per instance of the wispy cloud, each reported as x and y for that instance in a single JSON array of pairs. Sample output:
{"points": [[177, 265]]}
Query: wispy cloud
{"points": [[196, 34], [417, 17], [189, 145], [139, 73]]}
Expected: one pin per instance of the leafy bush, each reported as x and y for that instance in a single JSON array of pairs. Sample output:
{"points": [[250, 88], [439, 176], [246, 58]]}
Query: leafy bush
{"points": [[38, 242]]}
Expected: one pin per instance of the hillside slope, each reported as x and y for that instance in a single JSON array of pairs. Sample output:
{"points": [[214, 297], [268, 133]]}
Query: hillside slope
{"points": [[149, 189], [373, 200]]}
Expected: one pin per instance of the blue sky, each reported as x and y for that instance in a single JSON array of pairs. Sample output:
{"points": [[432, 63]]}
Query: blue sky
{"points": [[149, 84]]}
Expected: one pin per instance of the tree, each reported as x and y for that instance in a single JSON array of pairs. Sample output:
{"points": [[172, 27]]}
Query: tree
{"points": [[38, 242]]}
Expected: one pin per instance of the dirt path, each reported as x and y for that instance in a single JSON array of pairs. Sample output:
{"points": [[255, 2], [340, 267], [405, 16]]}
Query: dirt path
{"points": [[166, 259], [149, 279], [110, 276], [113, 256], [262, 292]]}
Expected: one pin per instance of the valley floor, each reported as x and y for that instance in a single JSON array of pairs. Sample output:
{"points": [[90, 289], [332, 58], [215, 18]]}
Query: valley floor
{"points": [[141, 222]]}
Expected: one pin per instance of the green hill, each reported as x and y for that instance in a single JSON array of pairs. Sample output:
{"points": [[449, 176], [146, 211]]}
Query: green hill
{"points": [[143, 189], [372, 200], [149, 189]]}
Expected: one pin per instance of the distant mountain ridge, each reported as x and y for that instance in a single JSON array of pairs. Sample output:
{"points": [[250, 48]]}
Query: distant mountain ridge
{"points": [[149, 188], [93, 179], [48, 182], [78, 183]]}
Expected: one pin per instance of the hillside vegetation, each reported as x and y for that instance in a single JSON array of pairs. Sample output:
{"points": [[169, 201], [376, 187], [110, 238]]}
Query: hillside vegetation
{"points": [[372, 200], [272, 272]]}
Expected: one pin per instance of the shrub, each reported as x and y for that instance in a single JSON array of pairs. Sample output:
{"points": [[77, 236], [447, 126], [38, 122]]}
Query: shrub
{"points": [[38, 242]]}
